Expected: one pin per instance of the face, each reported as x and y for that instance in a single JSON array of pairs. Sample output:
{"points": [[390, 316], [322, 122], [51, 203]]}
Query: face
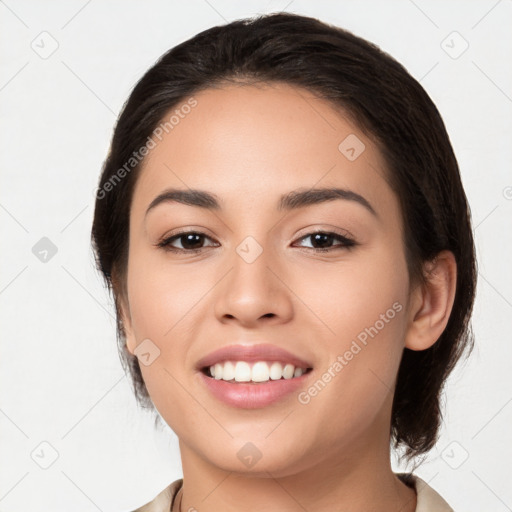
{"points": [[322, 277]]}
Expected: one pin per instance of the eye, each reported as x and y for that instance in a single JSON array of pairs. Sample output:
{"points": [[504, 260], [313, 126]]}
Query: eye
{"points": [[190, 241], [322, 241]]}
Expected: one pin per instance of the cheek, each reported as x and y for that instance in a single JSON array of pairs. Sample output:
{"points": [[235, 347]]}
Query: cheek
{"points": [[362, 310], [166, 302], [162, 295], [347, 297], [161, 303]]}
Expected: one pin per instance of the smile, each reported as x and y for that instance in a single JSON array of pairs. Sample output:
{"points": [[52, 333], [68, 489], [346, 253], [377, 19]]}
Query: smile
{"points": [[257, 372]]}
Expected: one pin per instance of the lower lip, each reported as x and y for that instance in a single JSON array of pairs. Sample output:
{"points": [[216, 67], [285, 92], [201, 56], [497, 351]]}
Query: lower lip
{"points": [[253, 396]]}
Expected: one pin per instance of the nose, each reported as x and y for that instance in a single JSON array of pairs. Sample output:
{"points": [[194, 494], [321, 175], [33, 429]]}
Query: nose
{"points": [[254, 292]]}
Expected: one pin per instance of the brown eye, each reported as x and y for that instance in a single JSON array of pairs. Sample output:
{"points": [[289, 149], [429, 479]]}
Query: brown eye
{"points": [[322, 241], [193, 241], [190, 241]]}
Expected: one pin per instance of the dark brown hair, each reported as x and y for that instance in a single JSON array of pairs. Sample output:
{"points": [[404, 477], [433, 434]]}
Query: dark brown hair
{"points": [[389, 105]]}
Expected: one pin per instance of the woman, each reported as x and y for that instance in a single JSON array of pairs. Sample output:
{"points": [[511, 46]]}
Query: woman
{"points": [[282, 223]]}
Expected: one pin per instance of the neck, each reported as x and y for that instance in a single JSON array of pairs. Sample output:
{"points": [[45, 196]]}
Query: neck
{"points": [[355, 476]]}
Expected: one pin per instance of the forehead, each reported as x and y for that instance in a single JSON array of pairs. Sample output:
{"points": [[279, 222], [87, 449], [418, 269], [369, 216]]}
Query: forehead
{"points": [[251, 144]]}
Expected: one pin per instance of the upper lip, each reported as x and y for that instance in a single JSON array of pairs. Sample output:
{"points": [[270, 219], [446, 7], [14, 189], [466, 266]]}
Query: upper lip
{"points": [[251, 353]]}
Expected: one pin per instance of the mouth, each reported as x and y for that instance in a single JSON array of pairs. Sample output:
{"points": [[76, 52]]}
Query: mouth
{"points": [[246, 393], [253, 376], [259, 372]]}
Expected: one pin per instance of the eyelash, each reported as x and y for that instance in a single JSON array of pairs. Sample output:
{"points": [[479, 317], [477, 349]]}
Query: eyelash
{"points": [[347, 243]]}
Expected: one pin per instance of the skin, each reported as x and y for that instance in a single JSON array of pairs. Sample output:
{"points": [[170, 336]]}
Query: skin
{"points": [[248, 145]]}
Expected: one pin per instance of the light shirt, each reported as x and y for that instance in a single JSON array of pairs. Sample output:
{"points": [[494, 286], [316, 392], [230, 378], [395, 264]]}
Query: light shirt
{"points": [[427, 499]]}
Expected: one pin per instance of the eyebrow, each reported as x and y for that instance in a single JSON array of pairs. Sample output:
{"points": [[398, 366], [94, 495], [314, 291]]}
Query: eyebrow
{"points": [[290, 201]]}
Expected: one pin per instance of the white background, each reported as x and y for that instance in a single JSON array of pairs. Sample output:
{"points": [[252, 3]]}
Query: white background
{"points": [[61, 379]]}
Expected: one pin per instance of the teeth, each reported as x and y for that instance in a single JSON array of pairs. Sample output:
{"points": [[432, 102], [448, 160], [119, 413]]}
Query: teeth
{"points": [[276, 371], [260, 371], [288, 371], [242, 372], [228, 372]]}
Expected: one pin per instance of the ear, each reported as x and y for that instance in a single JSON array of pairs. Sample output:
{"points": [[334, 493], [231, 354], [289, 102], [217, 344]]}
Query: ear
{"points": [[124, 312], [431, 304], [127, 325]]}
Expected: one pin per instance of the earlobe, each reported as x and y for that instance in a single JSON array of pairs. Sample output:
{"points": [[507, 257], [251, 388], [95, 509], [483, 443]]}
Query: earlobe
{"points": [[127, 326], [433, 302], [123, 309]]}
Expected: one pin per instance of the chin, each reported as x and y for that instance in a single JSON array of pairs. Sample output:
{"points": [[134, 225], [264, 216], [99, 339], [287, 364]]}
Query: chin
{"points": [[257, 459]]}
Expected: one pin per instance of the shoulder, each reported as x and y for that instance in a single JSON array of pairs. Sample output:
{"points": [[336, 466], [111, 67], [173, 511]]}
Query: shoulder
{"points": [[428, 499], [163, 501]]}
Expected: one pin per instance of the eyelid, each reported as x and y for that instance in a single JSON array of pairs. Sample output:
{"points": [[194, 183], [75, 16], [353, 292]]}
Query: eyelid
{"points": [[185, 231], [347, 239], [165, 240], [310, 230]]}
